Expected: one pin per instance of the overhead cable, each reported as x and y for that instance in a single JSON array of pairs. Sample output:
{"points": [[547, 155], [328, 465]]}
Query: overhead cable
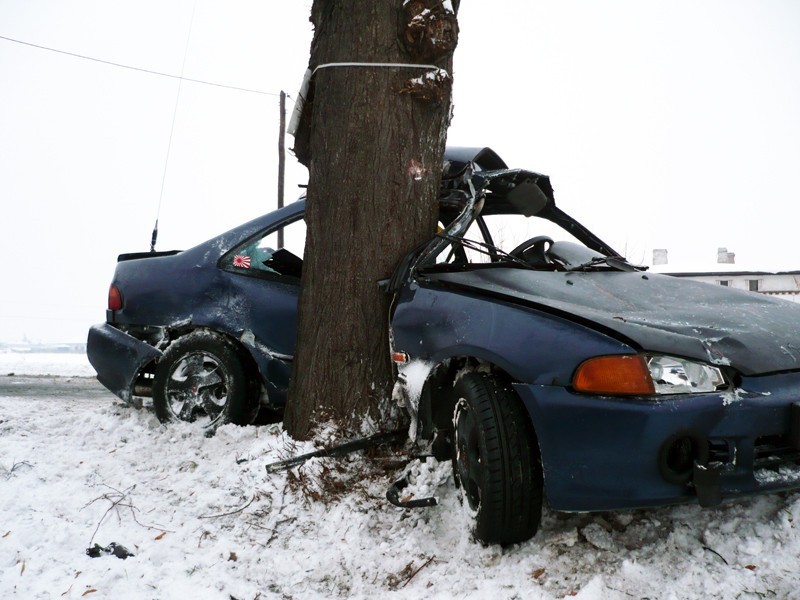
{"points": [[114, 64]]}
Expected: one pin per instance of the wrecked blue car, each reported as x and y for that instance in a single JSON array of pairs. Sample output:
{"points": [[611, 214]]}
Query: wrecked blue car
{"points": [[553, 369]]}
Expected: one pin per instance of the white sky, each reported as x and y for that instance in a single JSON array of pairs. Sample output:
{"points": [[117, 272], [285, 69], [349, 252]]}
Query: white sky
{"points": [[662, 124]]}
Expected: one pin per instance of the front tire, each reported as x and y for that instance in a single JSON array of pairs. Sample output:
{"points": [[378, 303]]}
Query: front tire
{"points": [[201, 378], [496, 460]]}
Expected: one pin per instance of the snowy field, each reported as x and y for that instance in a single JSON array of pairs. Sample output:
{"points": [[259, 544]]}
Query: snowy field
{"points": [[33, 363], [203, 519]]}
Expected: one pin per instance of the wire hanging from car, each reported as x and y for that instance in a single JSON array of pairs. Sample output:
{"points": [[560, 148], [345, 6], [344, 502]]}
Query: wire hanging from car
{"points": [[154, 236]]}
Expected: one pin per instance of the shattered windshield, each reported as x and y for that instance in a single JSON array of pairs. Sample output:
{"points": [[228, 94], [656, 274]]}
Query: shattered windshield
{"points": [[509, 218], [509, 231], [527, 242]]}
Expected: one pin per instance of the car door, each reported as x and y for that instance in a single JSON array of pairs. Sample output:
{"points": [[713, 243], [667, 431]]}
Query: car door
{"points": [[262, 274]]}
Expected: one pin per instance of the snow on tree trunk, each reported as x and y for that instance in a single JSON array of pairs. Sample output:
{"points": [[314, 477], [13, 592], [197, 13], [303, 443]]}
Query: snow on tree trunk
{"points": [[373, 139]]}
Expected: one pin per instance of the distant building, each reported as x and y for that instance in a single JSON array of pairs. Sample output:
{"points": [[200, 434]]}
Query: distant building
{"points": [[780, 284]]}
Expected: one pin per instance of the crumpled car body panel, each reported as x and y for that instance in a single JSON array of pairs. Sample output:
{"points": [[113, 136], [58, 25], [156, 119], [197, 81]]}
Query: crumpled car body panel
{"points": [[188, 290], [118, 358], [753, 333], [531, 326]]}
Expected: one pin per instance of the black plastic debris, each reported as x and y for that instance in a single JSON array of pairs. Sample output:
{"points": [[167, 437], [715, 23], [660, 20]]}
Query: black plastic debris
{"points": [[113, 549], [340, 450], [393, 494], [706, 479]]}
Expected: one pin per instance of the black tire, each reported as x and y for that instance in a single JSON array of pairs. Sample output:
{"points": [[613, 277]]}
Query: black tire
{"points": [[201, 378], [496, 460]]}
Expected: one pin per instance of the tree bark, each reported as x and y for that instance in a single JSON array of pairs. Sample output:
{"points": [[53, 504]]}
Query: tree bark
{"points": [[373, 139]]}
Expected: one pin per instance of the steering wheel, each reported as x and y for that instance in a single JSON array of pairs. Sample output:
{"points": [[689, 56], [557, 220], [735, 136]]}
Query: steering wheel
{"points": [[534, 250]]}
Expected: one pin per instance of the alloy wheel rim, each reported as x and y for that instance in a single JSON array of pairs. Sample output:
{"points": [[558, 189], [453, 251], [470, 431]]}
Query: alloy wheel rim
{"points": [[197, 386]]}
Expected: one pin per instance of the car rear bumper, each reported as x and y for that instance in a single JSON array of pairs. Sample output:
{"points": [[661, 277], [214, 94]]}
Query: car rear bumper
{"points": [[604, 453], [118, 358]]}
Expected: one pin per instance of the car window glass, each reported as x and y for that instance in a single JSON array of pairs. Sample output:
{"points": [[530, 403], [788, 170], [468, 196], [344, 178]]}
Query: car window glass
{"points": [[294, 238], [265, 255]]}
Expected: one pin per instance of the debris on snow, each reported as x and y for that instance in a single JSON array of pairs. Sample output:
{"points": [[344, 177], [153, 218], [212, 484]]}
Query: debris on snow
{"points": [[113, 549]]}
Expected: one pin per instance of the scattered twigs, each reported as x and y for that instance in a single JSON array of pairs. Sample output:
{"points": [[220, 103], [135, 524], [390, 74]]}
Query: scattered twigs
{"points": [[717, 553], [274, 533], [425, 564], [15, 466], [233, 512], [119, 499], [397, 581]]}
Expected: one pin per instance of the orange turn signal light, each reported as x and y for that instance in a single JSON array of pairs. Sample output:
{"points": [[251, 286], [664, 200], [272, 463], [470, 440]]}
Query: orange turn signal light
{"points": [[400, 358], [614, 375]]}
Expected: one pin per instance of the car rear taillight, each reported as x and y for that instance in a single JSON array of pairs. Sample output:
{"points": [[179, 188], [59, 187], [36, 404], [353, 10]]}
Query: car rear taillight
{"points": [[114, 298]]}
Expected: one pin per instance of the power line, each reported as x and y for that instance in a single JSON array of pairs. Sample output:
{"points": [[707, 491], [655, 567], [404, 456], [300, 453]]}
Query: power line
{"points": [[114, 64]]}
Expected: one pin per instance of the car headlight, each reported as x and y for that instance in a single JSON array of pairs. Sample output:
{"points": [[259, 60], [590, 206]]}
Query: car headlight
{"points": [[643, 374], [679, 376]]}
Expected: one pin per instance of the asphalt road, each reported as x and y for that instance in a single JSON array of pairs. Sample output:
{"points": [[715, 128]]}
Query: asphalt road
{"points": [[53, 387]]}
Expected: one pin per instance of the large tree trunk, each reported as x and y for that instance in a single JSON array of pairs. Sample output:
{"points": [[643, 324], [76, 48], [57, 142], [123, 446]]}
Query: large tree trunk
{"points": [[373, 140]]}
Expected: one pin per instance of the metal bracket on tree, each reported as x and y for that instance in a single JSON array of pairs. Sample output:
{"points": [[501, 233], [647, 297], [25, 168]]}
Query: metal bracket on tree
{"points": [[297, 112]]}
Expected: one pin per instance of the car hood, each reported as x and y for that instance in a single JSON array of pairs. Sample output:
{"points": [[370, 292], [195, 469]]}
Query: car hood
{"points": [[753, 333]]}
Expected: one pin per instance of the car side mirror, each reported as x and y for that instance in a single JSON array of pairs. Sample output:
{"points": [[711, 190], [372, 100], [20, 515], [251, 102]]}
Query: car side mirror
{"points": [[528, 198]]}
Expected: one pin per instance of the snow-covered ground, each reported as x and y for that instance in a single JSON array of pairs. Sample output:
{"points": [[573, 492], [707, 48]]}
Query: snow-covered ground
{"points": [[203, 519], [35, 363]]}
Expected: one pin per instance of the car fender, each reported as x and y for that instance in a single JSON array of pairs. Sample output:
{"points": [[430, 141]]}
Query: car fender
{"points": [[452, 329], [273, 367], [437, 324]]}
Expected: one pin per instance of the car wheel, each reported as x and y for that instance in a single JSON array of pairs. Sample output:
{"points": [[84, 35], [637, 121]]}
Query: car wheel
{"points": [[496, 460], [201, 378]]}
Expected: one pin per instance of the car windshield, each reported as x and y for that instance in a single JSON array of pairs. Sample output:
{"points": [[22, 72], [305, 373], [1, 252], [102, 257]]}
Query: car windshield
{"points": [[508, 217], [529, 242]]}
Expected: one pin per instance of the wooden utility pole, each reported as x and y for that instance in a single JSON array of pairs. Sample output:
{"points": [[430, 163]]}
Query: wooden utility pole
{"points": [[281, 159]]}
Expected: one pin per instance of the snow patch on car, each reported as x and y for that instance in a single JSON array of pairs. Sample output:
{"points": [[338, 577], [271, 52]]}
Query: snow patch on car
{"points": [[739, 394], [411, 378], [731, 396], [470, 367], [248, 338]]}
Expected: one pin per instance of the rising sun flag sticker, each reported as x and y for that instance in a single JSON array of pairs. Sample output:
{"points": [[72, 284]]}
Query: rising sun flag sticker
{"points": [[243, 262]]}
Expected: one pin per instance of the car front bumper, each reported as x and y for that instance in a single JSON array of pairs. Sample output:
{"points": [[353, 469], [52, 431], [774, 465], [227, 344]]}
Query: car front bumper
{"points": [[605, 453], [118, 358]]}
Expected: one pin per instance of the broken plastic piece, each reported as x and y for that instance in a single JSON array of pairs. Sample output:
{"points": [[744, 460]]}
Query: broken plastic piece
{"points": [[706, 483], [113, 548], [393, 494]]}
